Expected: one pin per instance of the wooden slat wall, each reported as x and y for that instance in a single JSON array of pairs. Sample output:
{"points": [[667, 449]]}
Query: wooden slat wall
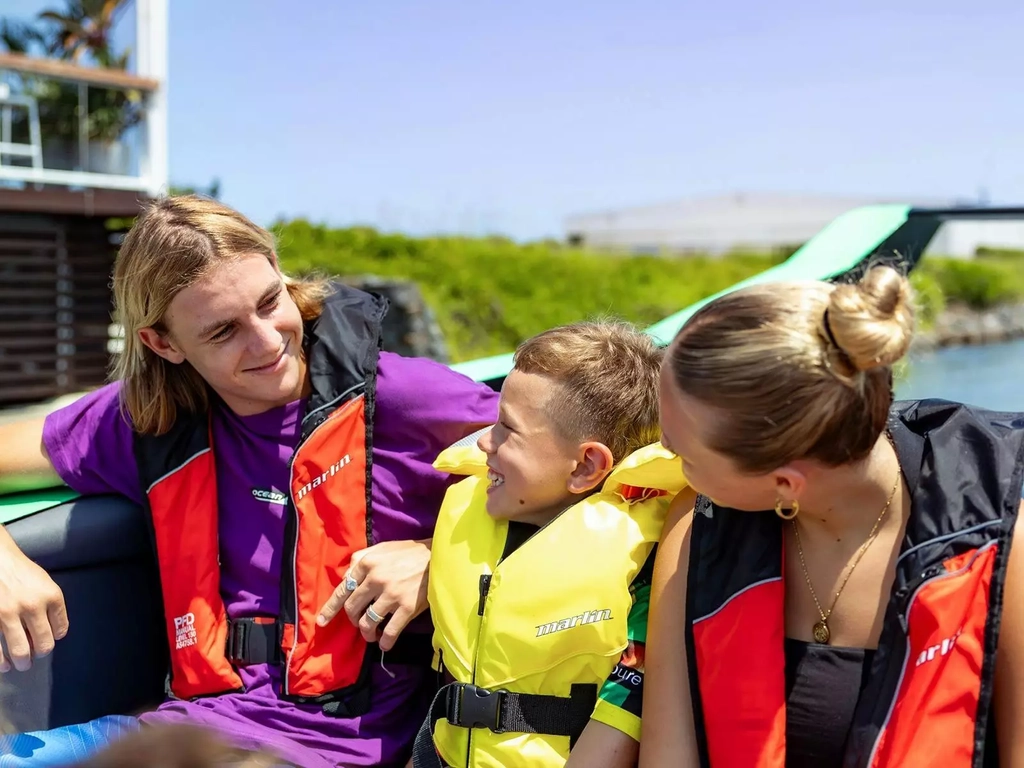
{"points": [[54, 306]]}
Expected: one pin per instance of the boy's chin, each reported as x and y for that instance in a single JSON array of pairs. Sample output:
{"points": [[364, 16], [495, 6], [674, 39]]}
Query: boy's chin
{"points": [[495, 511], [501, 512]]}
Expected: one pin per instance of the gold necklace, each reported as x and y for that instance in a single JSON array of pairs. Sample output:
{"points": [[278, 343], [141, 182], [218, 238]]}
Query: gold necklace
{"points": [[821, 631]]}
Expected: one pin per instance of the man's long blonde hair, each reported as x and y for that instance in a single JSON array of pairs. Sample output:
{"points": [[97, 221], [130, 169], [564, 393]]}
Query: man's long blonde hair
{"points": [[174, 243]]}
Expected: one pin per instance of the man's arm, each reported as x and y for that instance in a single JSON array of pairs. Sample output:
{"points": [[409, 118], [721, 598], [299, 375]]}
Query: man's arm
{"points": [[87, 445], [23, 461], [429, 407], [32, 612]]}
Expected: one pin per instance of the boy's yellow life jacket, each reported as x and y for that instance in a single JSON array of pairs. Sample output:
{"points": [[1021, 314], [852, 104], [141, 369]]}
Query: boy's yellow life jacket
{"points": [[549, 621]]}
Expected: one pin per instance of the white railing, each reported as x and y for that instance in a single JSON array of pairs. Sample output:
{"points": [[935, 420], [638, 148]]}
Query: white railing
{"points": [[135, 161]]}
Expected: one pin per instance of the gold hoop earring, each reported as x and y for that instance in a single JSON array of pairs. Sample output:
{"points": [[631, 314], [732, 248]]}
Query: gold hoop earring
{"points": [[791, 514]]}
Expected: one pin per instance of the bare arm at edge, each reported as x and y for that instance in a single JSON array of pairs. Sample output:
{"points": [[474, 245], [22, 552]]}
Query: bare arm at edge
{"points": [[601, 746], [23, 460], [668, 733], [1009, 683], [32, 611]]}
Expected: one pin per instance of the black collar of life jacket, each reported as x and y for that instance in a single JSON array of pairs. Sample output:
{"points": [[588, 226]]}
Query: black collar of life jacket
{"points": [[342, 347]]}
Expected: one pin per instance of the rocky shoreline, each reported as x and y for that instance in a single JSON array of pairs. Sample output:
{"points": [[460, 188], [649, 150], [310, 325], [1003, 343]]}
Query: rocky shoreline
{"points": [[961, 326]]}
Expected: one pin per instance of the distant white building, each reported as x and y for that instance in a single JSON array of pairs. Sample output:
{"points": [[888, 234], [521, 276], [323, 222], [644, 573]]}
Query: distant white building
{"points": [[759, 221], [963, 238]]}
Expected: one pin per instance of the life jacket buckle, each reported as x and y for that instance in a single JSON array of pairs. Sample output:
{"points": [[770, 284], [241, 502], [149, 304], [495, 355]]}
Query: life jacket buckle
{"points": [[472, 707], [253, 641]]}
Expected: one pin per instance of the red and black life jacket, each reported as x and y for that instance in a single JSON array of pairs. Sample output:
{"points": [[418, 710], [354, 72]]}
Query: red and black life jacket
{"points": [[927, 700], [329, 519]]}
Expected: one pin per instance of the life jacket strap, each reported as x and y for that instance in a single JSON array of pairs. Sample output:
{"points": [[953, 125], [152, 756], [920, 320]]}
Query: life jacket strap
{"points": [[469, 706], [255, 640]]}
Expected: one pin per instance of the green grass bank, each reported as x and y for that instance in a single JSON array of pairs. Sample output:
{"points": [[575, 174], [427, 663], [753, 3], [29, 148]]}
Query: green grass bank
{"points": [[491, 293]]}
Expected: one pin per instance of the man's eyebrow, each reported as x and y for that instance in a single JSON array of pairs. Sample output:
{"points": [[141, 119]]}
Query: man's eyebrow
{"points": [[210, 328], [274, 288]]}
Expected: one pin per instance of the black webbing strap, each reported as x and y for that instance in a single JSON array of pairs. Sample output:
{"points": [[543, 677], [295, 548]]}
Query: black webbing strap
{"points": [[414, 648], [468, 706], [253, 641], [258, 641]]}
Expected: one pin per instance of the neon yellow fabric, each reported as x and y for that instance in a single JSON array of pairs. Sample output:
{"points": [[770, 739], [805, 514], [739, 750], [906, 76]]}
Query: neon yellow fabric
{"points": [[555, 611], [617, 718]]}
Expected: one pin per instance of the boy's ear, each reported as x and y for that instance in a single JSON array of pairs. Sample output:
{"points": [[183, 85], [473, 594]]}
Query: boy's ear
{"points": [[594, 463]]}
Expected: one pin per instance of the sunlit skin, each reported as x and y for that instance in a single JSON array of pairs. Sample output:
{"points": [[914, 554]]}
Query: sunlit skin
{"points": [[246, 342], [833, 498], [683, 423], [535, 471], [838, 509]]}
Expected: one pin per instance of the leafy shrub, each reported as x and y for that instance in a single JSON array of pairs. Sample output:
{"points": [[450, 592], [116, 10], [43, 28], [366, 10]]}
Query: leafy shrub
{"points": [[979, 284], [930, 298], [491, 293]]}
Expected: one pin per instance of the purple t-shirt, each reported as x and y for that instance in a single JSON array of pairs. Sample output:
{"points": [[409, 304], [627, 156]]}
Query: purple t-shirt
{"points": [[422, 407]]}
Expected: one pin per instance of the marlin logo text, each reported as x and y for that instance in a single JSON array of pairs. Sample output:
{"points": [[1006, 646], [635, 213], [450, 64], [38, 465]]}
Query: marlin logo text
{"points": [[587, 617], [939, 649], [331, 471]]}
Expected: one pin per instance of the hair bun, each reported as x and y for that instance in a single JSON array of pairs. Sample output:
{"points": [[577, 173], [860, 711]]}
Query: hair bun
{"points": [[872, 322]]}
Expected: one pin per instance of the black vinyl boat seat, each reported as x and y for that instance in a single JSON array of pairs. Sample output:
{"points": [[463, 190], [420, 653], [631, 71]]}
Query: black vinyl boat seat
{"points": [[114, 657]]}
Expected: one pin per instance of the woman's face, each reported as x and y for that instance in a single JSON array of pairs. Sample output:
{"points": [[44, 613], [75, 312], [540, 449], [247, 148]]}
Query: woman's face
{"points": [[685, 423], [241, 331]]}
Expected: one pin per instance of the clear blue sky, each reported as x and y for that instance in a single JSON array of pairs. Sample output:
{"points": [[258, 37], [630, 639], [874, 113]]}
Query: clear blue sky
{"points": [[505, 117]]}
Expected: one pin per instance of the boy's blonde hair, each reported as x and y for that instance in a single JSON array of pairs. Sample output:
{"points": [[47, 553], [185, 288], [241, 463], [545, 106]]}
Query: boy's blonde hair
{"points": [[607, 374]]}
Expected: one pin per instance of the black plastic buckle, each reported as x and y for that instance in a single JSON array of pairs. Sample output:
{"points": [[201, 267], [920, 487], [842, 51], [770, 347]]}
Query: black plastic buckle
{"points": [[253, 641], [237, 649], [473, 707]]}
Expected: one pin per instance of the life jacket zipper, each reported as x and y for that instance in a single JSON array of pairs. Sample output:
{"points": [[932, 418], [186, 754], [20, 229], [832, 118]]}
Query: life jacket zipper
{"points": [[485, 585], [485, 588]]}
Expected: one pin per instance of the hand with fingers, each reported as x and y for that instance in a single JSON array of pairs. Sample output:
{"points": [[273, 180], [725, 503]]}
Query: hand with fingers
{"points": [[384, 589], [32, 612]]}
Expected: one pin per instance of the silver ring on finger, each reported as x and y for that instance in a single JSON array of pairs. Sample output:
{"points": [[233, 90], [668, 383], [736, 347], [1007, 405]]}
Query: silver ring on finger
{"points": [[373, 616], [350, 583]]}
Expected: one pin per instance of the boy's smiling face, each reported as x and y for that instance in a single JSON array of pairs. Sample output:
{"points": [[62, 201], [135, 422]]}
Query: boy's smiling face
{"points": [[535, 471]]}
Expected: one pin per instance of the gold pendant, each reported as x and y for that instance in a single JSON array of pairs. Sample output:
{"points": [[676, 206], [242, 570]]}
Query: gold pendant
{"points": [[821, 632]]}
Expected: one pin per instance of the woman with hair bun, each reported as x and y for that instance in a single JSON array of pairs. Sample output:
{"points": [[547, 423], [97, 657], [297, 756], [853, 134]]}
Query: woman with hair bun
{"points": [[845, 592]]}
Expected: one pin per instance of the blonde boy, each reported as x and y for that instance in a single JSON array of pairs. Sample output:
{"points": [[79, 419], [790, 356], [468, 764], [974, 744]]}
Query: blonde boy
{"points": [[538, 553]]}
